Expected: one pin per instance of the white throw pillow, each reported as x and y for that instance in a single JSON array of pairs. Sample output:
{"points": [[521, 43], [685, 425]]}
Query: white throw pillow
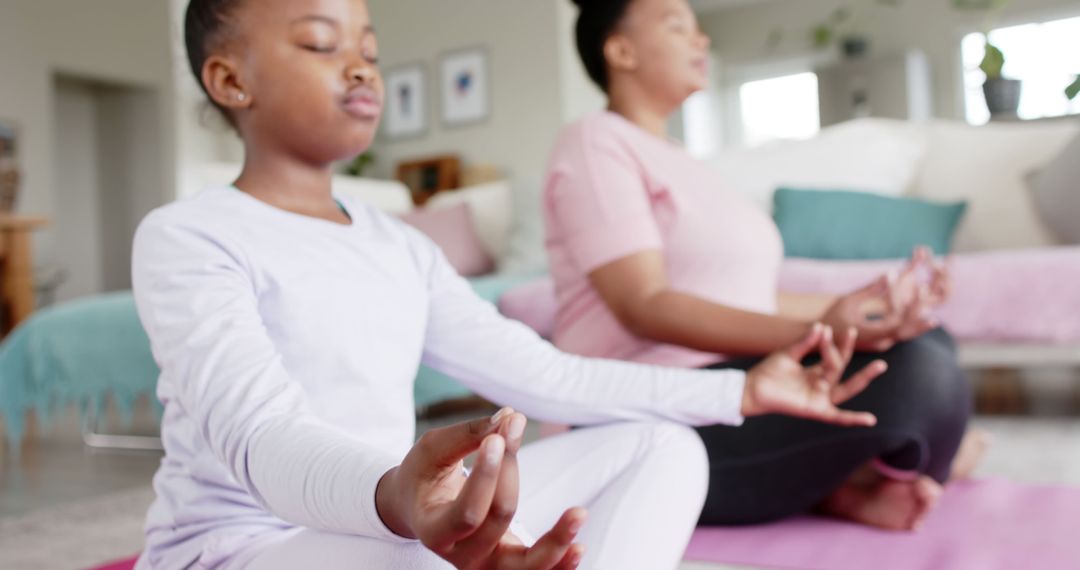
{"points": [[491, 211], [1054, 189], [866, 155], [987, 166], [387, 195], [527, 253], [390, 196]]}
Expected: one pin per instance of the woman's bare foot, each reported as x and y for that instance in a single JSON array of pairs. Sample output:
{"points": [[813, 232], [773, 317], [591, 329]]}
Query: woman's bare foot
{"points": [[971, 451], [887, 503]]}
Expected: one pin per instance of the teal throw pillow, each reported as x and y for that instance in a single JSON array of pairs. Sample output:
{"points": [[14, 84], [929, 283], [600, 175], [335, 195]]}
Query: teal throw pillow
{"points": [[842, 225]]}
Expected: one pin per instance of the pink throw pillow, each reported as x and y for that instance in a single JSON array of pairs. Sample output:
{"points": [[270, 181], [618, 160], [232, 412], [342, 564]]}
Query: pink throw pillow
{"points": [[534, 304], [452, 229]]}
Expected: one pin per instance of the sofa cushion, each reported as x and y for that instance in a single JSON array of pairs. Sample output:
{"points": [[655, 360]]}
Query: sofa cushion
{"points": [[873, 155], [987, 166], [856, 225], [491, 212], [1056, 189], [389, 196], [452, 230], [532, 303]]}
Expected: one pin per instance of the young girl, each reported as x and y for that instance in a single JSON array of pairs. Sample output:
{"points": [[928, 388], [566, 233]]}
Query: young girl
{"points": [[289, 325], [656, 261]]}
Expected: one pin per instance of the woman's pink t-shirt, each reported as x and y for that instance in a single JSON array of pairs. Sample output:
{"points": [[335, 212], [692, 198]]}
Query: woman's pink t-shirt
{"points": [[613, 190]]}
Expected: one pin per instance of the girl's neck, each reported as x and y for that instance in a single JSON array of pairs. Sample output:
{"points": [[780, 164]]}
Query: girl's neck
{"points": [[649, 115], [290, 184]]}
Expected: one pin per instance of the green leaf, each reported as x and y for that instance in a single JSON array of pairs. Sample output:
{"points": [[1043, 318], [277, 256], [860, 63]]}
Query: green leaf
{"points": [[993, 62], [822, 36], [1073, 90]]}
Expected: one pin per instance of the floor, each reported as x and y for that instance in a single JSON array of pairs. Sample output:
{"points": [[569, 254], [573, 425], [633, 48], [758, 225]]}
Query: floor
{"points": [[57, 480]]}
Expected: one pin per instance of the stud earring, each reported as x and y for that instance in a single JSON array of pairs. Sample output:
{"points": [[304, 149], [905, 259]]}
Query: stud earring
{"points": [[241, 97]]}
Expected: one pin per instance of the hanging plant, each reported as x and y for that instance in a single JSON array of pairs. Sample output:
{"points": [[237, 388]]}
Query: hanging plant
{"points": [[842, 27]]}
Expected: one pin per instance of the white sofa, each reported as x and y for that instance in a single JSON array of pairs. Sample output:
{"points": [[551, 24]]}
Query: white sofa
{"points": [[942, 161]]}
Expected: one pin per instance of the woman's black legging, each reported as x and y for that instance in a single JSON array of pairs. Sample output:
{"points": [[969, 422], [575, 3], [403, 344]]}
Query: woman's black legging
{"points": [[775, 466]]}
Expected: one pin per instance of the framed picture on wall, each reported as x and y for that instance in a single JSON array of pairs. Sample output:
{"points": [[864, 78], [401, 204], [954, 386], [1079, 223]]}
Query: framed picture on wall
{"points": [[9, 167], [406, 102], [464, 87]]}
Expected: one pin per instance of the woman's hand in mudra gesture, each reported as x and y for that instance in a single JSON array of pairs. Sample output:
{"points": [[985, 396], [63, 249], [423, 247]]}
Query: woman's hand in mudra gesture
{"points": [[897, 306]]}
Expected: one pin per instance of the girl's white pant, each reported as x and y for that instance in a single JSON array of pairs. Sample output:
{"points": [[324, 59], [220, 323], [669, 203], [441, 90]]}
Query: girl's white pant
{"points": [[643, 484]]}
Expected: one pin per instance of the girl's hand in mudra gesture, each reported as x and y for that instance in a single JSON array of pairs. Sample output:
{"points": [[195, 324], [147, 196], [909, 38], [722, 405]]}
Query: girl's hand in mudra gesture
{"points": [[465, 519], [782, 385]]}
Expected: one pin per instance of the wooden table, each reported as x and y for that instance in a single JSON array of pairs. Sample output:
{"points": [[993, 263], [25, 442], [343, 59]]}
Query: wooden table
{"points": [[16, 269]]}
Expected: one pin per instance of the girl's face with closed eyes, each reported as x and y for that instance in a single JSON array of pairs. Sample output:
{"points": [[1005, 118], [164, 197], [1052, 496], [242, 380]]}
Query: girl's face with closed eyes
{"points": [[300, 76]]}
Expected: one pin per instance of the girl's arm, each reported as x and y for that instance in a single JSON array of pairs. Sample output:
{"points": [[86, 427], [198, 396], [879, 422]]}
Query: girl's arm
{"points": [[506, 362], [220, 368]]}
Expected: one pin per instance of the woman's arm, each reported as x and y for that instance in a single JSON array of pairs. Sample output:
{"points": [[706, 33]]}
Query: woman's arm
{"points": [[636, 290], [804, 306]]}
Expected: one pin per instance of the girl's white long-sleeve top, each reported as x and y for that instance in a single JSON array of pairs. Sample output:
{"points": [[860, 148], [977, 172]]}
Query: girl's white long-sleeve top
{"points": [[288, 346]]}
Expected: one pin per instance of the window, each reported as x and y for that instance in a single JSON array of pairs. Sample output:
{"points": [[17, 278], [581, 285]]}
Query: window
{"points": [[779, 108], [1046, 57], [701, 131]]}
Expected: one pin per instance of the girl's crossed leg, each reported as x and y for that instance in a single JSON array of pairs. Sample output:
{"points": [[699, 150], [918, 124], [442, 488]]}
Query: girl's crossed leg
{"points": [[642, 483]]}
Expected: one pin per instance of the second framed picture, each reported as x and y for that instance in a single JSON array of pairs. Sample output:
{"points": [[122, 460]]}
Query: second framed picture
{"points": [[463, 78], [406, 102]]}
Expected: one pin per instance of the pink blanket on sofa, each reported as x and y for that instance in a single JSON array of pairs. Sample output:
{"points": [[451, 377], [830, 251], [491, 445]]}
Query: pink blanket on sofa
{"points": [[1010, 296], [1016, 296]]}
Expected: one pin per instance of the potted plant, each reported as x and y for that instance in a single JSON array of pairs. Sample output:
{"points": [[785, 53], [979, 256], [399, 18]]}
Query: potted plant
{"points": [[360, 164], [1002, 94], [842, 28]]}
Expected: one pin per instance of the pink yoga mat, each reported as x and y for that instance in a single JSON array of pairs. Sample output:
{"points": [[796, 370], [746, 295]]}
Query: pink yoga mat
{"points": [[979, 525], [128, 564]]}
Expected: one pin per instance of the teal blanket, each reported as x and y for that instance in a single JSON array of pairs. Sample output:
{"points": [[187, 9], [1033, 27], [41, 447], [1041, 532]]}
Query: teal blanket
{"points": [[76, 353], [87, 351]]}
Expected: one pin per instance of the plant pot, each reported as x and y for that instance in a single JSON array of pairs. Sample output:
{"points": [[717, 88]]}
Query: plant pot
{"points": [[1002, 96], [854, 46]]}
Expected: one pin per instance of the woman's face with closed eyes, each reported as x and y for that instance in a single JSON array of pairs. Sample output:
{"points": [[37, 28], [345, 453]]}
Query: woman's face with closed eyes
{"points": [[659, 43]]}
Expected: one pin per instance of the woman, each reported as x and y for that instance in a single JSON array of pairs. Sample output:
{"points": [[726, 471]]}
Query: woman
{"points": [[288, 326], [656, 262]]}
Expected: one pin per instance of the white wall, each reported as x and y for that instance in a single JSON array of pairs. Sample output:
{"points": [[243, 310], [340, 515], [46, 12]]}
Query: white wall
{"points": [[201, 136], [122, 42], [76, 219], [740, 35], [580, 96], [533, 92]]}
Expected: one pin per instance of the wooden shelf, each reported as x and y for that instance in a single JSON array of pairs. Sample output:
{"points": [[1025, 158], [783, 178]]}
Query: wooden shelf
{"points": [[16, 269]]}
